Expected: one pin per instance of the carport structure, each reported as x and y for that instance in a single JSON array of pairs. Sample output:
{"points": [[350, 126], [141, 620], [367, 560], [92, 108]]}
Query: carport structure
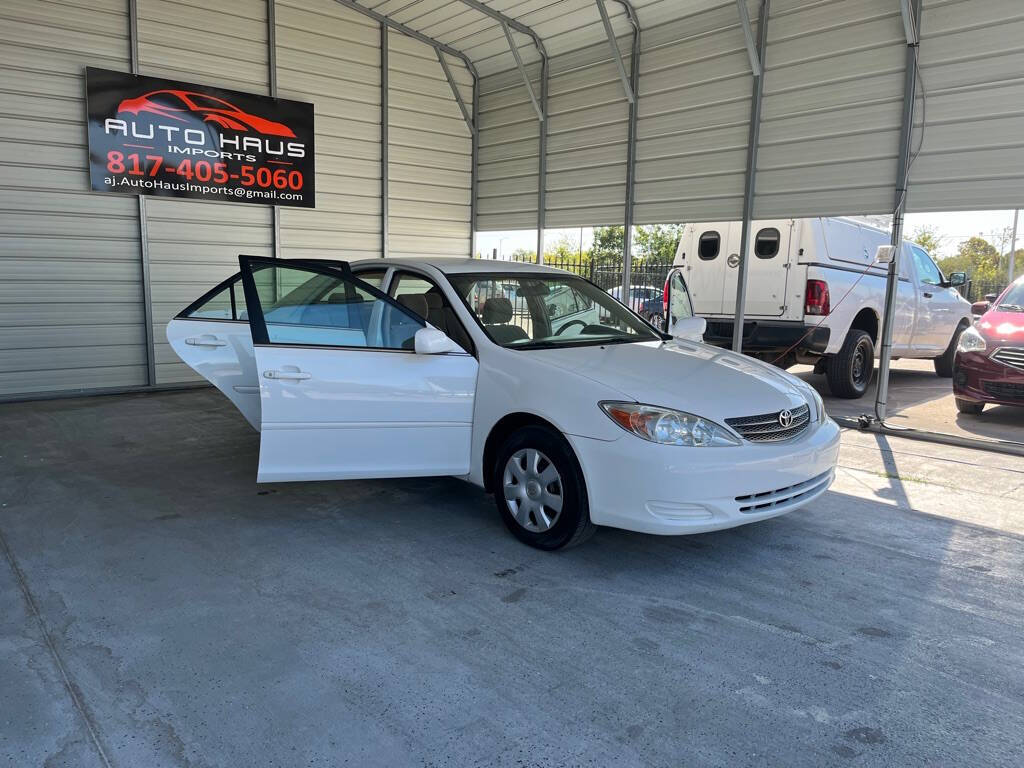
{"points": [[437, 119]]}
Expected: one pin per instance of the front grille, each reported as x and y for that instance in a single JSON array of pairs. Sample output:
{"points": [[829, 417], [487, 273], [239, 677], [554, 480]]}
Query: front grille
{"points": [[766, 428], [779, 497], [1004, 390], [1011, 356]]}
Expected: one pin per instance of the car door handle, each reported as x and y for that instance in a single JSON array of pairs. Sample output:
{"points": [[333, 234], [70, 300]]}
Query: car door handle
{"points": [[927, 295], [288, 375], [205, 341]]}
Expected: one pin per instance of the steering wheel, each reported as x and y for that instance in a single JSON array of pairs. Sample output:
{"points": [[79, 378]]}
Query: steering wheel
{"points": [[571, 323]]}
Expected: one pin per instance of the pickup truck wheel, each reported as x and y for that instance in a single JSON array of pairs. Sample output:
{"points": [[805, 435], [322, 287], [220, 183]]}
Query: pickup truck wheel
{"points": [[849, 372], [969, 407], [944, 362], [539, 490]]}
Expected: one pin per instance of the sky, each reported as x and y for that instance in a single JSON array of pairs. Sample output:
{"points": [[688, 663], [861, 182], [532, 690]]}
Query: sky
{"points": [[952, 228]]}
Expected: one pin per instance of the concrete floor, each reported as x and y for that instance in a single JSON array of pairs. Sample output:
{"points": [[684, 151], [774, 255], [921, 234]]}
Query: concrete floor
{"points": [[921, 400], [157, 608]]}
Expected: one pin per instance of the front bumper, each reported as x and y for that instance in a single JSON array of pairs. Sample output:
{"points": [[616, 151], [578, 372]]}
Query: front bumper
{"points": [[662, 489], [980, 379]]}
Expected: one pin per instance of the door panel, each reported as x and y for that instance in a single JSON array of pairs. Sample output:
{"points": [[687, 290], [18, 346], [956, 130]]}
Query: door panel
{"points": [[343, 413], [343, 394], [768, 259], [705, 266]]}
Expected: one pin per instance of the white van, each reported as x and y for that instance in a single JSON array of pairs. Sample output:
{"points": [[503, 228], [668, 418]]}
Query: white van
{"points": [[815, 296]]}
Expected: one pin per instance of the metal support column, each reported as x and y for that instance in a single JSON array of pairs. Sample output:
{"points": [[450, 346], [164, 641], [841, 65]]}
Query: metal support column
{"points": [[913, 26], [542, 160], [753, 137], [385, 208], [147, 287], [474, 173], [1013, 245], [275, 211]]}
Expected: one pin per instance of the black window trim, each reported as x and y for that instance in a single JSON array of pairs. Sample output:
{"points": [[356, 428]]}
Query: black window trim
{"points": [[258, 324], [778, 242], [718, 244]]}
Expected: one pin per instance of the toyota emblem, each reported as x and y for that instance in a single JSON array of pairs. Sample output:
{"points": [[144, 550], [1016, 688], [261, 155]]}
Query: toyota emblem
{"points": [[785, 418]]}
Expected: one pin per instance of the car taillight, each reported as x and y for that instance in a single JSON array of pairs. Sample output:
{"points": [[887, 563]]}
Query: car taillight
{"points": [[664, 298], [816, 299]]}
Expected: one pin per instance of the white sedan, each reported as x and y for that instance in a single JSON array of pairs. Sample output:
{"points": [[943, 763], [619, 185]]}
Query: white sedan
{"points": [[528, 381]]}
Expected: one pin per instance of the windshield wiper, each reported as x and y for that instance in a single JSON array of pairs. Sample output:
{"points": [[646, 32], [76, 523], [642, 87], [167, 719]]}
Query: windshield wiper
{"points": [[1011, 307]]}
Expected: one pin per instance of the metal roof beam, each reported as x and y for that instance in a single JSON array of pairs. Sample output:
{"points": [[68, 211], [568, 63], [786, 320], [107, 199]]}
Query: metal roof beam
{"points": [[614, 45], [748, 33], [909, 22], [455, 92], [522, 71]]}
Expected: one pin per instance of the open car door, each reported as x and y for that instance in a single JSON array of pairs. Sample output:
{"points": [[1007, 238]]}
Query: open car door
{"points": [[679, 318], [344, 392]]}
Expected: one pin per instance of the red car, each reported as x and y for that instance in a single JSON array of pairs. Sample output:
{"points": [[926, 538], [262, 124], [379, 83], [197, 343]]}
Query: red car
{"points": [[989, 362], [171, 103]]}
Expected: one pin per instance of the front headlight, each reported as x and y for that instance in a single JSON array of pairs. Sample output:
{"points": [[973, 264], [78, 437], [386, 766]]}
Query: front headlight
{"points": [[971, 341], [667, 426]]}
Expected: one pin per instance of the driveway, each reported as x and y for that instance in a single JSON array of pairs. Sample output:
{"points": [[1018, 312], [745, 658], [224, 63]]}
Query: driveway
{"points": [[157, 608]]}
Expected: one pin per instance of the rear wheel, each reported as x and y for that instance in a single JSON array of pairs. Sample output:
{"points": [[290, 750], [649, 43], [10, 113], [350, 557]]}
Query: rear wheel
{"points": [[539, 490], [969, 407], [849, 371], [944, 362]]}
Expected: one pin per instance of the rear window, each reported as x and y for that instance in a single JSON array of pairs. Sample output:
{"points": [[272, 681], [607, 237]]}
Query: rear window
{"points": [[708, 245], [766, 244]]}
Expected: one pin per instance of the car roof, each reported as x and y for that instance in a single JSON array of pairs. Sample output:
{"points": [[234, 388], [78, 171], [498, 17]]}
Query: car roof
{"points": [[452, 265]]}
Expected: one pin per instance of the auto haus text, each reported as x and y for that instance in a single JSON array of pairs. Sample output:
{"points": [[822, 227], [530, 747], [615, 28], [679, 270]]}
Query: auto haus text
{"points": [[197, 142]]}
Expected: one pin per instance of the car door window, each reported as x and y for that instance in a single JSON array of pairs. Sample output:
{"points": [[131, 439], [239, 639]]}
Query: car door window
{"points": [[708, 245], [374, 277], [421, 293], [327, 307], [926, 269], [680, 306]]}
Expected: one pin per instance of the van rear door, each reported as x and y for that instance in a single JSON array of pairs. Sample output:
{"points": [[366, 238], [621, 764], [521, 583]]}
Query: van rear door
{"points": [[769, 258], [703, 254]]}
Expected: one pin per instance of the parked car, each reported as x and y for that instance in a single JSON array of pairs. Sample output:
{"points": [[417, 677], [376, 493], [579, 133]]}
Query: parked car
{"points": [[989, 362], [569, 421], [815, 295], [645, 300]]}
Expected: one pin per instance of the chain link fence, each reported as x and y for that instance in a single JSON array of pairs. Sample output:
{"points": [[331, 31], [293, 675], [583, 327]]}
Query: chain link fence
{"points": [[977, 290]]}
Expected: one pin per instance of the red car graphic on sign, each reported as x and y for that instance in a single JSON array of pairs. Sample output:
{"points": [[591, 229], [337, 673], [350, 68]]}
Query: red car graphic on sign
{"points": [[171, 104]]}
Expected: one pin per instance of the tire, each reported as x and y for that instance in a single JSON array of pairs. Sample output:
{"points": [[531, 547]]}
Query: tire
{"points": [[849, 371], [551, 516], [944, 362], [969, 407]]}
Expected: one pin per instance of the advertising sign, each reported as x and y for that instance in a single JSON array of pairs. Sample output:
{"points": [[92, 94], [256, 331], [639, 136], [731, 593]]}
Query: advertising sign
{"points": [[149, 136]]}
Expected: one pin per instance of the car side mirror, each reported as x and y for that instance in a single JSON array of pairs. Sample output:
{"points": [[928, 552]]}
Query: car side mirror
{"points": [[956, 279], [980, 307], [690, 328], [430, 341]]}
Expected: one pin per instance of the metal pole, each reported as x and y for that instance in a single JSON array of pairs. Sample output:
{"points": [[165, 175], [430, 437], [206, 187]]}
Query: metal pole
{"points": [[753, 138], [385, 208], [902, 172], [275, 211], [147, 283], [474, 173], [542, 161], [1013, 245]]}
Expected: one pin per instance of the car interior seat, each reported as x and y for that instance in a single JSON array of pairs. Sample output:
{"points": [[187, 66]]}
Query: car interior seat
{"points": [[496, 314]]}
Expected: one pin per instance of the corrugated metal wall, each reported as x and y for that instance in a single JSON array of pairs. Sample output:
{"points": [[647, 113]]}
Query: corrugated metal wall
{"points": [[330, 56], [972, 64], [70, 276], [195, 244], [429, 152]]}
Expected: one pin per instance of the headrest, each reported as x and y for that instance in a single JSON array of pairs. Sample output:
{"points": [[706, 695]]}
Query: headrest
{"points": [[414, 302], [497, 310], [433, 299]]}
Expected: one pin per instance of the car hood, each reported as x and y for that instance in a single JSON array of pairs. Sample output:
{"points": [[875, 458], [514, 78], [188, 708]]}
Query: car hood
{"points": [[997, 325], [707, 381]]}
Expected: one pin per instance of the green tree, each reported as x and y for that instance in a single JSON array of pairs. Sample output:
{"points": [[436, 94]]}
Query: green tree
{"points": [[524, 254], [929, 239], [565, 248], [608, 244], [977, 257], [657, 242]]}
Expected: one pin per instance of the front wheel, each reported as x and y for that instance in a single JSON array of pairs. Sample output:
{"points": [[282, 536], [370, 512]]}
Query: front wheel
{"points": [[969, 407], [849, 371], [539, 490], [944, 362]]}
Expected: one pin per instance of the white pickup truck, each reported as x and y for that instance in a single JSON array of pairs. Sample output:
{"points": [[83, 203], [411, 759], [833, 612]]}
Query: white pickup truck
{"points": [[815, 295]]}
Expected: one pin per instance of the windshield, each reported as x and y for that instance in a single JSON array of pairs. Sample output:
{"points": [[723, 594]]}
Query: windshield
{"points": [[542, 311], [1013, 300]]}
